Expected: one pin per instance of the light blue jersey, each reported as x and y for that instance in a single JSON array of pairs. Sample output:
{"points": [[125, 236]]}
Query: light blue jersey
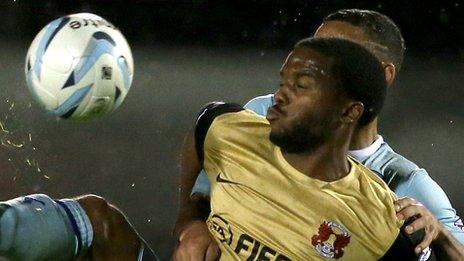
{"points": [[404, 177]]}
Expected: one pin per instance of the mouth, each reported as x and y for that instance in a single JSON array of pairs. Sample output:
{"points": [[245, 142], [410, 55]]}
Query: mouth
{"points": [[273, 113]]}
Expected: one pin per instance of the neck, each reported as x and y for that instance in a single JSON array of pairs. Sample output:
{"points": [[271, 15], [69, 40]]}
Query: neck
{"points": [[327, 163], [363, 137]]}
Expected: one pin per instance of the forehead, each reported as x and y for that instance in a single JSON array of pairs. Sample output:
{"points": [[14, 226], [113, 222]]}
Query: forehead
{"points": [[342, 30], [354, 33], [303, 58]]}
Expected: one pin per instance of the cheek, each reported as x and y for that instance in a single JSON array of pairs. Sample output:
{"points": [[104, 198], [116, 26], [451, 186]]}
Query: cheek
{"points": [[300, 116], [305, 107], [312, 110], [320, 104]]}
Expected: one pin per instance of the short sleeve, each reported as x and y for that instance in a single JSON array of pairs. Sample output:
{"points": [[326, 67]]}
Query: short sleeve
{"points": [[205, 119]]}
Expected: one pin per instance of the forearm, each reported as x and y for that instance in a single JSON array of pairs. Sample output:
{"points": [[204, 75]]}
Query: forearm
{"points": [[197, 208], [189, 207], [447, 247], [189, 166]]}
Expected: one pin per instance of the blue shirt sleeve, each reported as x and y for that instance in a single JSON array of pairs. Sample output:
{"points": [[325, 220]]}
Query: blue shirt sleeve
{"points": [[202, 184], [424, 189], [259, 105]]}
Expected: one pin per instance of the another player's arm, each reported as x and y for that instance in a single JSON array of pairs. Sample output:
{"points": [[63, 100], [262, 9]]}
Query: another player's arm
{"points": [[190, 230], [195, 242], [444, 244], [189, 208], [447, 247]]}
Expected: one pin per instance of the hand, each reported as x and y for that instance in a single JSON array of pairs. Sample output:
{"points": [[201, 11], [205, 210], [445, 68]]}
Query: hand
{"points": [[196, 244], [409, 207]]}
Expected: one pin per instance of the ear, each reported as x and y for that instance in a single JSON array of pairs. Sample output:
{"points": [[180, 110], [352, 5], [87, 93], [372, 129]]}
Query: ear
{"points": [[352, 112], [390, 73]]}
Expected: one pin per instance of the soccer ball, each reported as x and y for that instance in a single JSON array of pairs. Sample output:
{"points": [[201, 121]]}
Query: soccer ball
{"points": [[79, 66]]}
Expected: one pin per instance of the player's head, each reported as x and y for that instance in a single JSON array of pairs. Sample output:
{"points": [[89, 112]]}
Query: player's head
{"points": [[371, 29], [328, 86]]}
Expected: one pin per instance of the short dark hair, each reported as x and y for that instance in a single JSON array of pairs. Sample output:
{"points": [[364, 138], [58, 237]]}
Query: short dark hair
{"points": [[358, 72], [381, 30]]}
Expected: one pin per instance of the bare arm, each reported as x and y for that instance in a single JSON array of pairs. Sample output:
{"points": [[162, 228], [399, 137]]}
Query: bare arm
{"points": [[447, 247], [189, 168], [195, 242]]}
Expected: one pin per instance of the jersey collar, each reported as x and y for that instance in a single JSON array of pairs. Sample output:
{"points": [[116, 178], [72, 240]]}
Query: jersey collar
{"points": [[364, 153]]}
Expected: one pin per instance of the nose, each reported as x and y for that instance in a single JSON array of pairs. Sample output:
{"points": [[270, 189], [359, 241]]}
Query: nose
{"points": [[281, 96]]}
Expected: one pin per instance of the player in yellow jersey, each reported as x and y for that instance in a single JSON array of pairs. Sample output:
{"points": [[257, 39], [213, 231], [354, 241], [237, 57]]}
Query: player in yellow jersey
{"points": [[283, 188], [443, 227]]}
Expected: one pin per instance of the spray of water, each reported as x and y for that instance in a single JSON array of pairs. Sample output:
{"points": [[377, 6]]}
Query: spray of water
{"points": [[17, 142]]}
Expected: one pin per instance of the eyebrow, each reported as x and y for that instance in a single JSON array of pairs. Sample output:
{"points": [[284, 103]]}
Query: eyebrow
{"points": [[311, 70], [305, 72]]}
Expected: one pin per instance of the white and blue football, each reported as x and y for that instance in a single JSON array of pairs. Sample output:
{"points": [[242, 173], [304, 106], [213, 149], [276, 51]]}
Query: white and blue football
{"points": [[79, 67]]}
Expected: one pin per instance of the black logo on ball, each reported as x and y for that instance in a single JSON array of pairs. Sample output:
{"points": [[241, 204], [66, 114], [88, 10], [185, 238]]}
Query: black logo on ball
{"points": [[107, 72]]}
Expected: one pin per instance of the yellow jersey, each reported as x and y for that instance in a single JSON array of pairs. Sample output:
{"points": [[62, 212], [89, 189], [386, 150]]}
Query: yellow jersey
{"points": [[264, 209]]}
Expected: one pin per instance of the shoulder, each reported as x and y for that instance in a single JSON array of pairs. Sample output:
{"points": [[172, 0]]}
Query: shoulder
{"points": [[214, 109], [205, 119], [407, 179], [221, 113], [371, 199], [392, 167], [379, 202], [369, 177], [379, 198], [219, 123], [209, 113], [260, 104]]}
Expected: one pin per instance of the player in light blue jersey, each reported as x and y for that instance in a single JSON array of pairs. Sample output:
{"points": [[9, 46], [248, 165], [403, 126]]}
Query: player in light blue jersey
{"points": [[444, 229], [37, 227]]}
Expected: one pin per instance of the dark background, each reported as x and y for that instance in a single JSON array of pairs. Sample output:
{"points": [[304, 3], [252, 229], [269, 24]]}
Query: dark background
{"points": [[190, 52]]}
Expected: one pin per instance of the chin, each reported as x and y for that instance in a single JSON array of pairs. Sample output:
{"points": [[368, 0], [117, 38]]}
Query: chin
{"points": [[278, 138], [277, 126], [296, 140], [274, 138], [276, 134]]}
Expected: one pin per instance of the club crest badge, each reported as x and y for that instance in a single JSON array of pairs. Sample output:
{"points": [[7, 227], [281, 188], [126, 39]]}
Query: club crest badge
{"points": [[331, 239]]}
